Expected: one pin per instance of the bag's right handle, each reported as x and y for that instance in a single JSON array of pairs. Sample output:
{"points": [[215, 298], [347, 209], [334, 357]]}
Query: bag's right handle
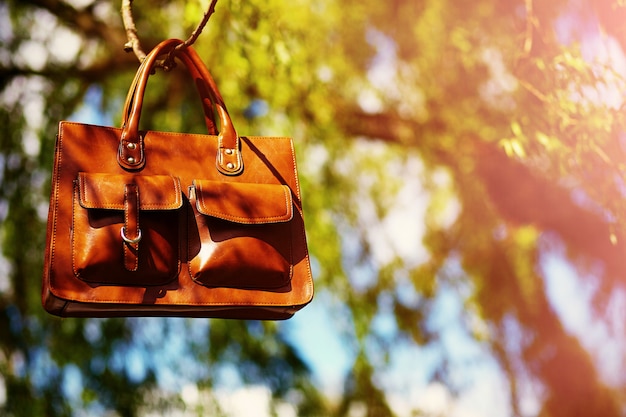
{"points": [[206, 98], [131, 153], [229, 160]]}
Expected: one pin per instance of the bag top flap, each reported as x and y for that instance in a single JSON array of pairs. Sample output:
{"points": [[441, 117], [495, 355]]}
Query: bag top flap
{"points": [[244, 203], [106, 191]]}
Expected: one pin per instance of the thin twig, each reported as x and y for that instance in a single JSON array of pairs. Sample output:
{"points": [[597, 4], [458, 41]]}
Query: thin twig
{"points": [[200, 27], [169, 62], [134, 45]]}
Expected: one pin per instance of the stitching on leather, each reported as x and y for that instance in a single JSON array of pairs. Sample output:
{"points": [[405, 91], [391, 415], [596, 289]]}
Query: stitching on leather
{"points": [[306, 259], [56, 203], [246, 220], [87, 201], [127, 252], [73, 231]]}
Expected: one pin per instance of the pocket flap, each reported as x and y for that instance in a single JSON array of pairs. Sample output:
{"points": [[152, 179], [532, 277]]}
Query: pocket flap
{"points": [[106, 191], [244, 203]]}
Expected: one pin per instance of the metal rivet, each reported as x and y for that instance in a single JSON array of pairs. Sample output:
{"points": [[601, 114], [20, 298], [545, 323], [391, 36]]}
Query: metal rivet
{"points": [[131, 146], [230, 165], [131, 160], [229, 151]]}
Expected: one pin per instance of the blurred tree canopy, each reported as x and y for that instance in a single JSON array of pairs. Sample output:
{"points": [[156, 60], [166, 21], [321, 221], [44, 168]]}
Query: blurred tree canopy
{"points": [[493, 130]]}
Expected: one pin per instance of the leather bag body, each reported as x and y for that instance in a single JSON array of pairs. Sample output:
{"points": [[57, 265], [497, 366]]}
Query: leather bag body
{"points": [[148, 223]]}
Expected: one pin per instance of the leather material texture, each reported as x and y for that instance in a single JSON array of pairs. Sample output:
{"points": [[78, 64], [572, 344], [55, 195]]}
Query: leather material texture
{"points": [[148, 223]]}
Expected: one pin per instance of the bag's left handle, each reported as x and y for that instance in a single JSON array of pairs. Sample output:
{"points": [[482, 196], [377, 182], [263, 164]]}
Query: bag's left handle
{"points": [[130, 153]]}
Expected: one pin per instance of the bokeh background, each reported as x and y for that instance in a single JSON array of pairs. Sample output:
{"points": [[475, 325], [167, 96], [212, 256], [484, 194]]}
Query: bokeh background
{"points": [[462, 165]]}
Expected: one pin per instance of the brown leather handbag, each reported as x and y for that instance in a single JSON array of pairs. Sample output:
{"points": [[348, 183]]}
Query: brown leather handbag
{"points": [[147, 223]]}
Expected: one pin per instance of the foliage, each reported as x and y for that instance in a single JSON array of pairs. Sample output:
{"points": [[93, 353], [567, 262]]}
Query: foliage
{"points": [[447, 149]]}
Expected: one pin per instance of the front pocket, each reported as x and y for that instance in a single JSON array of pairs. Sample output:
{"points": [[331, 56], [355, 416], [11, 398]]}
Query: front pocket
{"points": [[125, 229], [242, 235]]}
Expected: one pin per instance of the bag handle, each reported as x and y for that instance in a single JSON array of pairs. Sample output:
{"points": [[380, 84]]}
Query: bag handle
{"points": [[209, 114], [131, 150]]}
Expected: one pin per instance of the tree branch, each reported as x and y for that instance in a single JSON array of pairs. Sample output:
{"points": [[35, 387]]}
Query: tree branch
{"points": [[134, 44], [198, 30]]}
